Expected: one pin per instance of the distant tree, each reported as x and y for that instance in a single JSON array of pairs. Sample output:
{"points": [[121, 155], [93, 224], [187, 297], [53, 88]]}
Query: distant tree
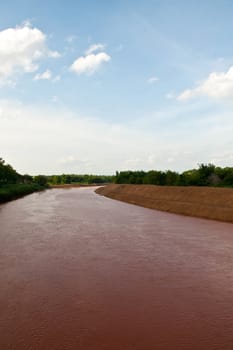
{"points": [[189, 178], [205, 171], [227, 179], [205, 175], [40, 180], [26, 178], [7, 173]]}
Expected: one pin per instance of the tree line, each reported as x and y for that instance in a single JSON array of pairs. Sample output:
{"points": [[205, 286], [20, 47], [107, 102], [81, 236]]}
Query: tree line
{"points": [[14, 185], [79, 179], [205, 175], [8, 175]]}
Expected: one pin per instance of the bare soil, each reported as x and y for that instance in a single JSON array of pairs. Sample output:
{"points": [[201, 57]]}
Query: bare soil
{"points": [[206, 202]]}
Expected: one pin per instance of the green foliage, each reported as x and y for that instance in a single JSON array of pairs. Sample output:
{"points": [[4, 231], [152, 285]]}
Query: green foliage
{"points": [[13, 191], [14, 185], [40, 180], [205, 175], [27, 179], [79, 179], [7, 173]]}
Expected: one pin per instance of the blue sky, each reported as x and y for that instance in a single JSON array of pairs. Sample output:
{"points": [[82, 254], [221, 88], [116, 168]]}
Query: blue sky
{"points": [[104, 86]]}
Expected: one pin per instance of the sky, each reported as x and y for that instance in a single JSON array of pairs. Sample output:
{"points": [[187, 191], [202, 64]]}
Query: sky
{"points": [[99, 86]]}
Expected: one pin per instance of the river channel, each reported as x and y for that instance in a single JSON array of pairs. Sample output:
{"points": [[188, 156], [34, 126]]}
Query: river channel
{"points": [[79, 271]]}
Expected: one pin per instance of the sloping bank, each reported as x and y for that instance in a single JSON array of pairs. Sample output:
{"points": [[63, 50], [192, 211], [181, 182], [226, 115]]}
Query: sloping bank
{"points": [[205, 202], [15, 191]]}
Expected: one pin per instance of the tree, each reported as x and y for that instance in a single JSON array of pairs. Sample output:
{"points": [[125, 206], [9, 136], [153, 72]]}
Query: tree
{"points": [[40, 180], [7, 173]]}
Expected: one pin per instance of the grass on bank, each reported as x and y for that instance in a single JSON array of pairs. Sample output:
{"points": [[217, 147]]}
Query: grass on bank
{"points": [[13, 191]]}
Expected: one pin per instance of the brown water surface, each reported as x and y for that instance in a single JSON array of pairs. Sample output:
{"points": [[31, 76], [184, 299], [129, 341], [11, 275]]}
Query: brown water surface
{"points": [[81, 271]]}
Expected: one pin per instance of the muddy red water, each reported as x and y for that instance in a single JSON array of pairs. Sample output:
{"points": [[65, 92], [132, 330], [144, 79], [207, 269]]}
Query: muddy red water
{"points": [[81, 271]]}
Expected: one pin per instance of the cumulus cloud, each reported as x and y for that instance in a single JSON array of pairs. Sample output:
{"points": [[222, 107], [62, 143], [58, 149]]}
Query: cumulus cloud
{"points": [[94, 48], [21, 48], [217, 86], [47, 75], [90, 63]]}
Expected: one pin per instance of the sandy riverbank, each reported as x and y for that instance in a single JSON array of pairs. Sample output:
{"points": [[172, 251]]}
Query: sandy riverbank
{"points": [[206, 202]]}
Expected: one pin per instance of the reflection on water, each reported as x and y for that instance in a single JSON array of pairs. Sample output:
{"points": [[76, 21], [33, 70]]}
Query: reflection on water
{"points": [[80, 271], [36, 211]]}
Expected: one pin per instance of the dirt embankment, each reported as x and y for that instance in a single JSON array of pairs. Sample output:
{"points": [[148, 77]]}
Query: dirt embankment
{"points": [[205, 202], [73, 185]]}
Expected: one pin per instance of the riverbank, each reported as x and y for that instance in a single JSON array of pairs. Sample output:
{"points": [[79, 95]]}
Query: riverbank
{"points": [[14, 191], [205, 202], [75, 185]]}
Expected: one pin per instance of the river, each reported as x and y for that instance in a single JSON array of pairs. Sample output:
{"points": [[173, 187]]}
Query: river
{"points": [[83, 272]]}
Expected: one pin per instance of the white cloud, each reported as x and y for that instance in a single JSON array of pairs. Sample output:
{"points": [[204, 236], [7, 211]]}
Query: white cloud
{"points": [[47, 75], [30, 138], [27, 23], [152, 80], [36, 139], [90, 63], [94, 48], [217, 86], [21, 48]]}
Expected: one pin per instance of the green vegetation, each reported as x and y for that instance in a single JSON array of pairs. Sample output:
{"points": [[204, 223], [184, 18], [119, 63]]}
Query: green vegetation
{"points": [[7, 173], [13, 191], [79, 179], [14, 185], [205, 175]]}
